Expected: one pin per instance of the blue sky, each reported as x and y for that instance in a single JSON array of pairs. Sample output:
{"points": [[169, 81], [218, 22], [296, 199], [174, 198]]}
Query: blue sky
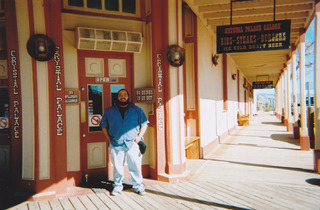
{"points": [[310, 71], [310, 35]]}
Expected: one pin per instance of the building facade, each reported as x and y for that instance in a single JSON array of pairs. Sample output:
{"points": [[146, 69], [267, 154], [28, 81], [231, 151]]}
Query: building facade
{"points": [[62, 62]]}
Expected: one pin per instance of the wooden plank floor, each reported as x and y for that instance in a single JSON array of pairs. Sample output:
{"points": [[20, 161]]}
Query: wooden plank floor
{"points": [[259, 166], [193, 195]]}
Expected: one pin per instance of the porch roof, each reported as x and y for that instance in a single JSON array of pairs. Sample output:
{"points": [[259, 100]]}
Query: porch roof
{"points": [[215, 13]]}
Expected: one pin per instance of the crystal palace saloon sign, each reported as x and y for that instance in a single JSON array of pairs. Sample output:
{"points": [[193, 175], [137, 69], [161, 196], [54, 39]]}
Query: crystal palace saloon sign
{"points": [[263, 36]]}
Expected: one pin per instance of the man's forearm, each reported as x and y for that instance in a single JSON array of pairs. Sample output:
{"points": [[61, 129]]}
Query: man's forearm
{"points": [[105, 132], [143, 130]]}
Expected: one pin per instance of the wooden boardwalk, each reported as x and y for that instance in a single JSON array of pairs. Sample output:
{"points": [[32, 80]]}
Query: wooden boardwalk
{"points": [[259, 166]]}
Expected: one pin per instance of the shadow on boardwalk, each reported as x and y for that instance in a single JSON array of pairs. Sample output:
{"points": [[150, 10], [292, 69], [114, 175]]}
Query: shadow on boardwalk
{"points": [[259, 166]]}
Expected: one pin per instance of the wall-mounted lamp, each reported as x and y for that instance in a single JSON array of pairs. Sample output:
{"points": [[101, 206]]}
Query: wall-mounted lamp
{"points": [[175, 55], [215, 59], [234, 76], [40, 47]]}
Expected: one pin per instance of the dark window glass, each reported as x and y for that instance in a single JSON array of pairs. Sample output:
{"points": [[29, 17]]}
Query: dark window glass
{"points": [[112, 5], [94, 106], [129, 6], [3, 41], [94, 4], [76, 3], [4, 110]]}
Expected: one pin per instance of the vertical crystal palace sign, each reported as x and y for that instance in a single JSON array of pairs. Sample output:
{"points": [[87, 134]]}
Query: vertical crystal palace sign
{"points": [[262, 36]]}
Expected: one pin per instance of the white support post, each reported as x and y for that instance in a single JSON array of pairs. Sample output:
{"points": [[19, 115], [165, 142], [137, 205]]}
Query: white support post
{"points": [[295, 99], [290, 123], [317, 91], [294, 87], [280, 97], [283, 97], [304, 138], [277, 108], [285, 91]]}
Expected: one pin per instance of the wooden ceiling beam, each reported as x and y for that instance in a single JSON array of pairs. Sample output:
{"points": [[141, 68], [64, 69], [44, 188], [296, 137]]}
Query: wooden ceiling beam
{"points": [[274, 69], [299, 20], [209, 2], [253, 19], [267, 17], [251, 4], [295, 30], [297, 25], [213, 2], [275, 61], [267, 63], [262, 11]]}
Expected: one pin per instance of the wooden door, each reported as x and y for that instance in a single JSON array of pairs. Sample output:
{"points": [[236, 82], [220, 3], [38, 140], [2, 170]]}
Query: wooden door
{"points": [[101, 75]]}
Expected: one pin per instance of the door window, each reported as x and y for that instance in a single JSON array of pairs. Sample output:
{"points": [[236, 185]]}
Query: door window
{"points": [[114, 93], [95, 107], [4, 111]]}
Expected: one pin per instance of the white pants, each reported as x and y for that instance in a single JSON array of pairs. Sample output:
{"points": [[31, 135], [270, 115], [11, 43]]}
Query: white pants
{"points": [[134, 159]]}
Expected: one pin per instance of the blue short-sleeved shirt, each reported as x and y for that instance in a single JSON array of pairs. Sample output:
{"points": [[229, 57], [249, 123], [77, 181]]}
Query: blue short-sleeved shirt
{"points": [[122, 132]]}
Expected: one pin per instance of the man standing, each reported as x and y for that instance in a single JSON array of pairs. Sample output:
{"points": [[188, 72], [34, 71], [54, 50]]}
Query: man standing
{"points": [[124, 125]]}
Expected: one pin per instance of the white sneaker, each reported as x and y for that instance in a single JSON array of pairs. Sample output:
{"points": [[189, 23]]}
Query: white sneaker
{"points": [[142, 192], [115, 192]]}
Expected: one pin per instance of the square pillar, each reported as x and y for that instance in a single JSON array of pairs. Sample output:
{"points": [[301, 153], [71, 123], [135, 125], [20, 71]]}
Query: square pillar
{"points": [[317, 91], [304, 137]]}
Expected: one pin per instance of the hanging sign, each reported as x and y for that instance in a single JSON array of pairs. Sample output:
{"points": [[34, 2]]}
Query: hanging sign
{"points": [[262, 84], [274, 35]]}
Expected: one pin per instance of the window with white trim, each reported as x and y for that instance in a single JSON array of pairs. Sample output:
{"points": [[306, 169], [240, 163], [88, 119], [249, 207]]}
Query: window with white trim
{"points": [[115, 7]]}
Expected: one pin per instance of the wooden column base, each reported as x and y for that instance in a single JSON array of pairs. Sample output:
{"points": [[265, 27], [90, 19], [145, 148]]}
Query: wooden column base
{"points": [[285, 122], [305, 143], [278, 115], [317, 161], [173, 178], [296, 132]]}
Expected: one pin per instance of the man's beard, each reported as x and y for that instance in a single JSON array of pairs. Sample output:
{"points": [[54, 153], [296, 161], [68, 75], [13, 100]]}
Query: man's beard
{"points": [[123, 103]]}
